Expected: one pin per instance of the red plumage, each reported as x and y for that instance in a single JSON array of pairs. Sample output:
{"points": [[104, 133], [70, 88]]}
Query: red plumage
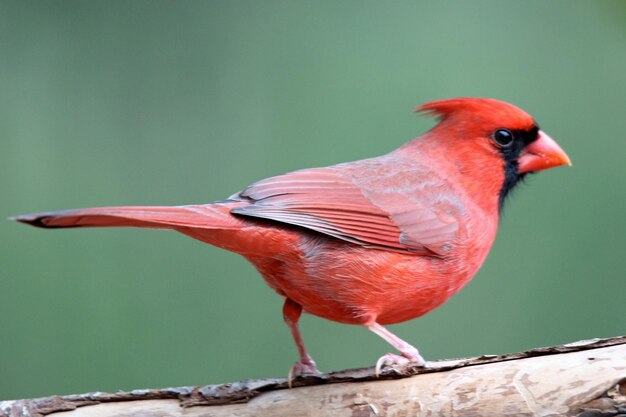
{"points": [[370, 242]]}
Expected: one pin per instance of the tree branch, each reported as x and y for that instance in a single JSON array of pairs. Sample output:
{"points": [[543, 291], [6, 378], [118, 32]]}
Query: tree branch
{"points": [[586, 379]]}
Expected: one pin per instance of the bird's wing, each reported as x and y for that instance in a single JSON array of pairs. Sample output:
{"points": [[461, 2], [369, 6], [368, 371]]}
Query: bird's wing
{"points": [[353, 205]]}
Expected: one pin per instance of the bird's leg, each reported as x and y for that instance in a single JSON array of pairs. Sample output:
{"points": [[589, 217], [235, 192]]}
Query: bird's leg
{"points": [[306, 365], [410, 355]]}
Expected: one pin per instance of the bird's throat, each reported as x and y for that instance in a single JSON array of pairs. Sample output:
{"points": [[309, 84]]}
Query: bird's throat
{"points": [[511, 178]]}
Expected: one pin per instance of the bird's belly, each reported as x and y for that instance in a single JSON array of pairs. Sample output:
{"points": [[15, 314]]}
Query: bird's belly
{"points": [[351, 284], [346, 282]]}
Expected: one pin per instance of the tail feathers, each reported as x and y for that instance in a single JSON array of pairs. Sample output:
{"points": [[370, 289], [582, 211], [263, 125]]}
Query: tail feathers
{"points": [[209, 216]]}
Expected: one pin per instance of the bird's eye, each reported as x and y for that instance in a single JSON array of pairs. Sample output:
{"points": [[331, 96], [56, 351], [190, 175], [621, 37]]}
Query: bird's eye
{"points": [[503, 137]]}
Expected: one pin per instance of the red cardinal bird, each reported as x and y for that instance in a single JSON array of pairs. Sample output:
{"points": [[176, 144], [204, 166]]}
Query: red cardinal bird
{"points": [[370, 242]]}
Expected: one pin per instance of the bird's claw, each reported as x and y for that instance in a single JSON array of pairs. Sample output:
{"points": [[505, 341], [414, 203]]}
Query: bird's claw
{"points": [[391, 359], [302, 367]]}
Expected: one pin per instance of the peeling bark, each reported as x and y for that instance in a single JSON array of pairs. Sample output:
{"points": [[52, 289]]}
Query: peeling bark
{"points": [[583, 379]]}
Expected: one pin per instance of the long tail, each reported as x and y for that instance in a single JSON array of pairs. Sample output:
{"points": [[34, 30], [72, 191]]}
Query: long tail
{"points": [[209, 216]]}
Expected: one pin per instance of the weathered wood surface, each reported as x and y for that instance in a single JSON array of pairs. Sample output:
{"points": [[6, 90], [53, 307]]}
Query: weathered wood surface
{"points": [[586, 379]]}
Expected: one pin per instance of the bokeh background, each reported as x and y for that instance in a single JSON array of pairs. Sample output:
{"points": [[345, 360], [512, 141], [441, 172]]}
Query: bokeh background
{"points": [[160, 102]]}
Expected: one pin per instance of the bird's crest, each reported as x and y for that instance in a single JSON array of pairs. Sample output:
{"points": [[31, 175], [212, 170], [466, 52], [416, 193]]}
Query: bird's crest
{"points": [[483, 108]]}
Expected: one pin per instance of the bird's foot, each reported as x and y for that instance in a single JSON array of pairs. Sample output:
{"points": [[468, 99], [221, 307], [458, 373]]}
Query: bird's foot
{"points": [[305, 366], [407, 358]]}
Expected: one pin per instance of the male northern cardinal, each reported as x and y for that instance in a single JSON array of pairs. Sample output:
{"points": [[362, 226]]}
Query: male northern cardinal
{"points": [[370, 242]]}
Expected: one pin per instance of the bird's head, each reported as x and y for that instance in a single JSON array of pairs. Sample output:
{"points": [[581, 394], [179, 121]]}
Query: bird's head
{"points": [[493, 138]]}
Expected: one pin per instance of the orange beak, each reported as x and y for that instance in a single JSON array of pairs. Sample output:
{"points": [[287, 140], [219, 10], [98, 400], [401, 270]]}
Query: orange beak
{"points": [[543, 153]]}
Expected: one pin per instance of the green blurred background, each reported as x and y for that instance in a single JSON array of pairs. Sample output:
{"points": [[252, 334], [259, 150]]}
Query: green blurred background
{"points": [[161, 102]]}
